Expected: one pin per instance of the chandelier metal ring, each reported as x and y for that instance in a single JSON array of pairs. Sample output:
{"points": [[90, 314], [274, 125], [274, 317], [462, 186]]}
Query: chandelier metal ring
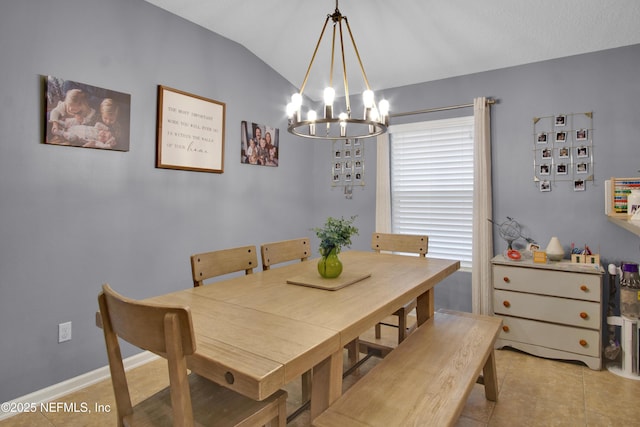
{"points": [[373, 128]]}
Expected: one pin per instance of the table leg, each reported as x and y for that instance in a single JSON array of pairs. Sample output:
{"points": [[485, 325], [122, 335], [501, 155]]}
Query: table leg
{"points": [[326, 385], [425, 306], [490, 378]]}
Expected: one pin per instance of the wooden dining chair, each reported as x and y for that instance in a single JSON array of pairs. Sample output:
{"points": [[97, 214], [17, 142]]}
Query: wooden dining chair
{"points": [[207, 265], [284, 251], [189, 399], [400, 243]]}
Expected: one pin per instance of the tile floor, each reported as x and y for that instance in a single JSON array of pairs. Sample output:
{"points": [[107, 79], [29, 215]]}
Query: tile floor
{"points": [[533, 392]]}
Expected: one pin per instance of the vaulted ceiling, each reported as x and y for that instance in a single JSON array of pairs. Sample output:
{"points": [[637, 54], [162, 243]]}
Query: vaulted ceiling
{"points": [[403, 42]]}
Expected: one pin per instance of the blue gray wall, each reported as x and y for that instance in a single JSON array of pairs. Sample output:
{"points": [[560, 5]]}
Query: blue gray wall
{"points": [[71, 219], [606, 83]]}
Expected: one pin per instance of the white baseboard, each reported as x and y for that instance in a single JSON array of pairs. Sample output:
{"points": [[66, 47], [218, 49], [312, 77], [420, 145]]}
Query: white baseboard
{"points": [[71, 385]]}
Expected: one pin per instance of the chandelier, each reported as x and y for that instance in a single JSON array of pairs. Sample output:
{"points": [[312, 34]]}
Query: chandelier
{"points": [[332, 126]]}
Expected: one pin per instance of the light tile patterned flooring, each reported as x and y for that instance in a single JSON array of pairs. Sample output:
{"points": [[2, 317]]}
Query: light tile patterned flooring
{"points": [[532, 392]]}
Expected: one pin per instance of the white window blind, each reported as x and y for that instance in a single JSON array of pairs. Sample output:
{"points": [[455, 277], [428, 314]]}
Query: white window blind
{"points": [[432, 184]]}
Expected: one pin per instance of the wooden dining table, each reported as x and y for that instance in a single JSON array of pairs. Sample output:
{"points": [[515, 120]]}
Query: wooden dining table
{"points": [[257, 332]]}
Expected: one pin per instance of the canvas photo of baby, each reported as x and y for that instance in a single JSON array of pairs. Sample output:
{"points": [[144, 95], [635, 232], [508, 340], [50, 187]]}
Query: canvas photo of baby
{"points": [[81, 115]]}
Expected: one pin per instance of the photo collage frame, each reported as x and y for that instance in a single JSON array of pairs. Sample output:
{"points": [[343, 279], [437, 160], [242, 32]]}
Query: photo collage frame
{"points": [[563, 150], [347, 167]]}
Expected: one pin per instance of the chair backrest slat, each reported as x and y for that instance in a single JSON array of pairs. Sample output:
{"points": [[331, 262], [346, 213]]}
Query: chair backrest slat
{"points": [[217, 263], [283, 251], [409, 243]]}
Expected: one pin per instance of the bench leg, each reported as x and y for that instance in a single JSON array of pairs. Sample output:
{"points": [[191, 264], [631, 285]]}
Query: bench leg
{"points": [[490, 378]]}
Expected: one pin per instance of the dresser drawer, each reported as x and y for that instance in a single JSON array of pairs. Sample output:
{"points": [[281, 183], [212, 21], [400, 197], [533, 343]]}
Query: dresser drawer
{"points": [[559, 337], [547, 282], [584, 314]]}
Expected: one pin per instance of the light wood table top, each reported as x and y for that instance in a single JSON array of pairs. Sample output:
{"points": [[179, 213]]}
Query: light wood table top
{"points": [[255, 333]]}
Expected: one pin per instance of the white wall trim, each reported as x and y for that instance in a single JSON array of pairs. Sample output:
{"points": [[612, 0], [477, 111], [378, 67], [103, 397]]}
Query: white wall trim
{"points": [[77, 383]]}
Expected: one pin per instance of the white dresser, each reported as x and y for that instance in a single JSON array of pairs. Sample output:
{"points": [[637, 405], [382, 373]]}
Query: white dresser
{"points": [[550, 310]]}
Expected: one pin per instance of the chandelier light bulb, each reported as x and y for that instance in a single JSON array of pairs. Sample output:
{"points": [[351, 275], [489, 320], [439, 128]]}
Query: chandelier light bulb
{"points": [[329, 95], [312, 116], [373, 116], [383, 106], [296, 100], [343, 124], [291, 110], [367, 98], [296, 103]]}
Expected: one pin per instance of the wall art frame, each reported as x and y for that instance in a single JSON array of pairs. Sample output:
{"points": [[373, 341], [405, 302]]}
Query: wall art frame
{"points": [[191, 132], [259, 144], [81, 115]]}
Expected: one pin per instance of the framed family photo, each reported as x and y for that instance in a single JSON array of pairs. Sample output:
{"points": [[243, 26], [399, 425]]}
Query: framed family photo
{"points": [[259, 144], [190, 132], [81, 115]]}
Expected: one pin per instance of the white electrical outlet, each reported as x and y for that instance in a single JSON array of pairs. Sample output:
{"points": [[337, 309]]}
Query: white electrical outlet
{"points": [[64, 332]]}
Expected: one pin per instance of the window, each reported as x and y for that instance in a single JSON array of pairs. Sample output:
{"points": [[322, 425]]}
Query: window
{"points": [[432, 184]]}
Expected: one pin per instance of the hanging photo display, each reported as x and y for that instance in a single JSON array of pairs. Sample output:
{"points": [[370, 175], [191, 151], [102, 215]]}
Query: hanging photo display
{"points": [[563, 150], [347, 163]]}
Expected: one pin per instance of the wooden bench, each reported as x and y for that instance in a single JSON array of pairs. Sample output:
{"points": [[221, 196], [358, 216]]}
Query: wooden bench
{"points": [[427, 379]]}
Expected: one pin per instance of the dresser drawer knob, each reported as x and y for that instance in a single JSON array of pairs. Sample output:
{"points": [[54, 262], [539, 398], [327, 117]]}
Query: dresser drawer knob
{"points": [[584, 288], [506, 279], [583, 343], [505, 328], [584, 315], [506, 304]]}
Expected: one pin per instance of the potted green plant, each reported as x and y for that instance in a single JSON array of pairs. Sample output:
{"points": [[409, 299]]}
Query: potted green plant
{"points": [[334, 235]]}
